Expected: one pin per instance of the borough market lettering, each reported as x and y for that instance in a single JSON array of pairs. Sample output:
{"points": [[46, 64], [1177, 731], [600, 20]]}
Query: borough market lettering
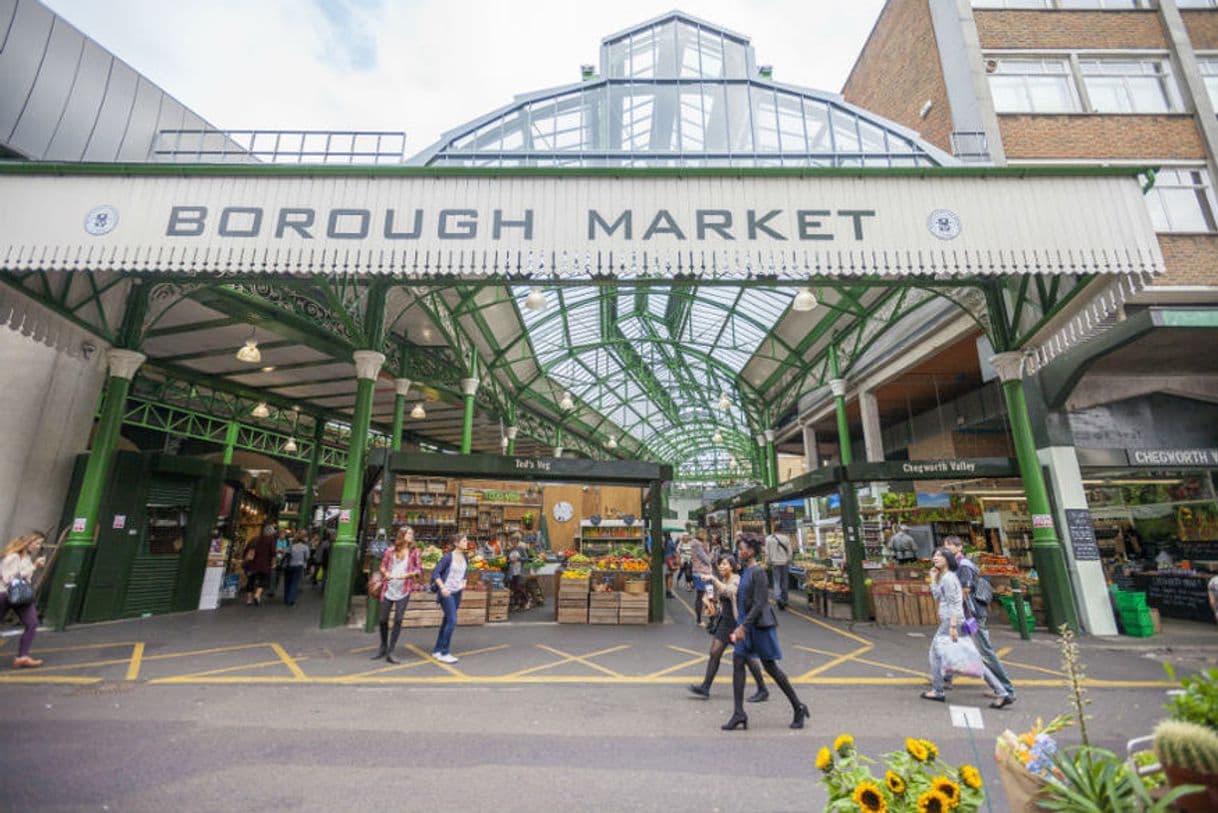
{"points": [[308, 223]]}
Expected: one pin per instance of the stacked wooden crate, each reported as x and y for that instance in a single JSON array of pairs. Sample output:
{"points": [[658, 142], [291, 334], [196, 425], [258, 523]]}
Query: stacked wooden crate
{"points": [[572, 600], [907, 604], [422, 611], [603, 608], [472, 611], [497, 608], [632, 608]]}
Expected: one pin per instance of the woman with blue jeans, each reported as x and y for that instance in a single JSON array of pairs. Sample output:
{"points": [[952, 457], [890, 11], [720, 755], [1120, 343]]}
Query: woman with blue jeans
{"points": [[448, 581]]}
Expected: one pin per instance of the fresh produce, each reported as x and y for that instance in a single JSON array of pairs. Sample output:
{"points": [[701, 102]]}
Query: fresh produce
{"points": [[579, 559], [575, 574]]}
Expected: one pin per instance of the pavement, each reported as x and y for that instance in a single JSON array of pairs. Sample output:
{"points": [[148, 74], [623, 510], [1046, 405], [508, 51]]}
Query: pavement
{"points": [[245, 707]]}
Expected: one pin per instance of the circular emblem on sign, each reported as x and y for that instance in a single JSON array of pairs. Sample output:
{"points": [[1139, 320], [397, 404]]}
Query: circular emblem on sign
{"points": [[944, 224], [563, 511], [101, 220]]}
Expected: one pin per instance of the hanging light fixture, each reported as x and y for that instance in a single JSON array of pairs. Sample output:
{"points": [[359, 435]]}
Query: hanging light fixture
{"points": [[805, 300], [290, 446], [536, 300], [566, 404], [418, 413], [261, 410], [725, 403], [717, 437], [249, 352], [611, 443]]}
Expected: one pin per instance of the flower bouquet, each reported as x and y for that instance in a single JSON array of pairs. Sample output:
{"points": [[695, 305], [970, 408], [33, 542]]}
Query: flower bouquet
{"points": [[915, 779], [1025, 761]]}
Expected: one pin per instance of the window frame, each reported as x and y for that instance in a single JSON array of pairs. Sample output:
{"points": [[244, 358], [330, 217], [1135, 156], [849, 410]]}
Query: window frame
{"points": [[1206, 185], [1056, 5], [1177, 104]]}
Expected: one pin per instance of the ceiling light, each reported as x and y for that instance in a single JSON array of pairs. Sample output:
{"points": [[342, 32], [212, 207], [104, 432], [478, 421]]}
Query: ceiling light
{"points": [[805, 300], [566, 404], [248, 352], [269, 369], [725, 403], [717, 437], [611, 443], [418, 412], [290, 446], [536, 300], [261, 410], [426, 334]]}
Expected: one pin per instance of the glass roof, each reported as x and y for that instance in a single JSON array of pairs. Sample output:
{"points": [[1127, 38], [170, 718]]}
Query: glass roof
{"points": [[655, 362]]}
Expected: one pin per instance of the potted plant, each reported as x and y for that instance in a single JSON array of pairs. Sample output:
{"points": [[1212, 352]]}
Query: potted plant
{"points": [[1188, 753], [526, 519]]}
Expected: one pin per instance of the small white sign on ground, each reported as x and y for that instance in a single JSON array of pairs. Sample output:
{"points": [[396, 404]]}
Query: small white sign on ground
{"points": [[966, 717]]}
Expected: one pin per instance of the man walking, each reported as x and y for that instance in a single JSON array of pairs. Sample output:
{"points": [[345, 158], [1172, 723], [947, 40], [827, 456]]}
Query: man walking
{"points": [[977, 598], [778, 557], [904, 548]]}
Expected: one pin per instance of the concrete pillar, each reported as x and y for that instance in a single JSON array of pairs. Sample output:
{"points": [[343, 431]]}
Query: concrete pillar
{"points": [[838, 387], [811, 453], [873, 438]]}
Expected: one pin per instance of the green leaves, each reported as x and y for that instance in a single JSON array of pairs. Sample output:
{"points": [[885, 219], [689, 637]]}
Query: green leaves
{"points": [[1199, 701]]}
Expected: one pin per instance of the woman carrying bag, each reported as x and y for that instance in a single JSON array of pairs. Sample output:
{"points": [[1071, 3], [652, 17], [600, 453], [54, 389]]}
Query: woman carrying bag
{"points": [[720, 628], [17, 569], [401, 572]]}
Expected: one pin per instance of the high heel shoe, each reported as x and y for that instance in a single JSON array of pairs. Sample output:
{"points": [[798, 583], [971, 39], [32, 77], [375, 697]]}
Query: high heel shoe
{"points": [[801, 714], [737, 721], [699, 690]]}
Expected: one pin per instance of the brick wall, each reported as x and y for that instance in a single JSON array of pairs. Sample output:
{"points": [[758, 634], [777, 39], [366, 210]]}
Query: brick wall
{"points": [[898, 70], [1097, 137], [1070, 29], [1190, 259], [1202, 29]]}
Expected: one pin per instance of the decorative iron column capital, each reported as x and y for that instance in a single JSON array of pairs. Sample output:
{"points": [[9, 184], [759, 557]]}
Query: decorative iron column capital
{"points": [[1009, 366], [838, 387], [469, 386], [402, 386], [124, 363], [368, 364]]}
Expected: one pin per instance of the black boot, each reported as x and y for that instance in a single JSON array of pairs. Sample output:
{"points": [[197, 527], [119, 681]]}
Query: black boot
{"points": [[712, 667], [738, 718], [384, 650], [797, 706], [762, 694], [393, 643]]}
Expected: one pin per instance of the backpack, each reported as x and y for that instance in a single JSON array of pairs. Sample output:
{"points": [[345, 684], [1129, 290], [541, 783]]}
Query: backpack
{"points": [[983, 591]]}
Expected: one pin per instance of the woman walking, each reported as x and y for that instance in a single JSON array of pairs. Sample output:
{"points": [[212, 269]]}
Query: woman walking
{"points": [[17, 569], [700, 564], [945, 587], [259, 561], [756, 636], [401, 570], [722, 625], [448, 580]]}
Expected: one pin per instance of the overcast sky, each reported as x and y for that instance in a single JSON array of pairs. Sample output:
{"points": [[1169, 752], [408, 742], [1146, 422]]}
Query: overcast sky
{"points": [[422, 66]]}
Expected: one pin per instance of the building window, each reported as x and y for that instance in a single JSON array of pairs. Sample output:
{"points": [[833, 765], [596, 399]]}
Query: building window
{"points": [[1182, 201], [1032, 85], [1102, 5], [1209, 72], [1197, 3], [1129, 85]]}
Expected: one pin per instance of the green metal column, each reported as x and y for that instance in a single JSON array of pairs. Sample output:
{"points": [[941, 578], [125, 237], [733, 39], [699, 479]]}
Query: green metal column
{"points": [[511, 432], [1047, 554], [389, 491], [310, 484], [771, 453], [469, 388], [340, 575], [72, 567], [852, 531], [655, 530], [230, 441]]}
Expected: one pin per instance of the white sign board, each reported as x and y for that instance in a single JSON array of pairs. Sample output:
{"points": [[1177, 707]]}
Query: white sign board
{"points": [[411, 223]]}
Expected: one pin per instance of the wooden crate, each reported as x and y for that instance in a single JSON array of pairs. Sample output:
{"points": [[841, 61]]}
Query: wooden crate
{"points": [[499, 598], [470, 616], [633, 608], [473, 598], [496, 616], [839, 611], [422, 618], [886, 609], [572, 615], [632, 617], [604, 601], [602, 616], [573, 587]]}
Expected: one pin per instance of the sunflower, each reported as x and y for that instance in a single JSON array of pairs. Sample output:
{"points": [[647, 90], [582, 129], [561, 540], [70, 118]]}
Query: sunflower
{"points": [[916, 749], [824, 759], [932, 750], [933, 802], [949, 789], [868, 796], [843, 742], [895, 783], [970, 776]]}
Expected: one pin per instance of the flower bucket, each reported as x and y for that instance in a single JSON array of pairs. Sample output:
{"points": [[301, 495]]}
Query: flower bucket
{"points": [[1023, 789], [1202, 801]]}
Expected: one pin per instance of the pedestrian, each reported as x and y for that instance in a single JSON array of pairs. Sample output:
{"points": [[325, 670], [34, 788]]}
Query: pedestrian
{"points": [[517, 556], [904, 548], [670, 563], [282, 545], [323, 559], [448, 580], [700, 564], [259, 562], [401, 571], [977, 596], [778, 557], [721, 626], [945, 586], [21, 560], [684, 553], [1212, 588], [297, 560], [756, 636]]}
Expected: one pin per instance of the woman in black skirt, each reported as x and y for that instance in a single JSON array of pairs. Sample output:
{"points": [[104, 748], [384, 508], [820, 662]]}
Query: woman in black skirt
{"points": [[722, 625], [756, 636]]}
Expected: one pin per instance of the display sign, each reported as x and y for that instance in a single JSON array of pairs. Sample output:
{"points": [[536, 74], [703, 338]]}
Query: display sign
{"points": [[1179, 596], [1042, 520], [1173, 457], [1082, 535], [934, 469], [79, 524], [416, 220], [554, 469], [120, 522]]}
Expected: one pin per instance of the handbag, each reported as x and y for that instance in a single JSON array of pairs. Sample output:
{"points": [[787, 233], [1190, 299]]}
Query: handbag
{"points": [[712, 626], [20, 592], [959, 657]]}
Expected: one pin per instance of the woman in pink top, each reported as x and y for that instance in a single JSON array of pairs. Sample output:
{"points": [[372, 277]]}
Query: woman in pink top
{"points": [[401, 571]]}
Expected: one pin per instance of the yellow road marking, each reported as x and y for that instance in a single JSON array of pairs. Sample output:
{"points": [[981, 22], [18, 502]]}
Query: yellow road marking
{"points": [[422, 661], [78, 681], [80, 647], [687, 651], [210, 672], [1006, 650], [583, 659], [829, 627], [838, 661], [568, 659], [1053, 672], [678, 667], [877, 664], [137, 655], [289, 662], [86, 664], [212, 651], [446, 667]]}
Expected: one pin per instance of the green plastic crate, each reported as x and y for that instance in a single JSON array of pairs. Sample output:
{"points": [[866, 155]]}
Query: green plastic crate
{"points": [[1139, 630], [1130, 601], [1008, 604], [1137, 617]]}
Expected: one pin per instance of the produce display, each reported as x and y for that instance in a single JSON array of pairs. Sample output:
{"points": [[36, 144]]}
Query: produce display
{"points": [[430, 556], [992, 564], [576, 574]]}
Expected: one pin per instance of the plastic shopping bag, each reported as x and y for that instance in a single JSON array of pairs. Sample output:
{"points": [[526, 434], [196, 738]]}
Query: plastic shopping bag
{"points": [[959, 657]]}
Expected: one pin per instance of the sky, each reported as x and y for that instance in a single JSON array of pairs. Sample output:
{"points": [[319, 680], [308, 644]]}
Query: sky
{"points": [[423, 66]]}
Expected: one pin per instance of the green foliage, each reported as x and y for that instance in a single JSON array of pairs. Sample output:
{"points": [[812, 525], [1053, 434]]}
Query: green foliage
{"points": [[1095, 780], [1199, 701], [901, 781], [1187, 745], [1151, 781]]}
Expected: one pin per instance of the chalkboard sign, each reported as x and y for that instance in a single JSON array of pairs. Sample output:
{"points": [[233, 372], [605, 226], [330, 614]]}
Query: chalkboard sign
{"points": [[1179, 596], [1082, 535]]}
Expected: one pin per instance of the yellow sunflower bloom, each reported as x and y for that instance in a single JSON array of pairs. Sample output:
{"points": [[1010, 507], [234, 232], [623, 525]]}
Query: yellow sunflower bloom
{"points": [[916, 749], [970, 776], [949, 789], [824, 759], [870, 799], [895, 783], [932, 750], [933, 802], [842, 742]]}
